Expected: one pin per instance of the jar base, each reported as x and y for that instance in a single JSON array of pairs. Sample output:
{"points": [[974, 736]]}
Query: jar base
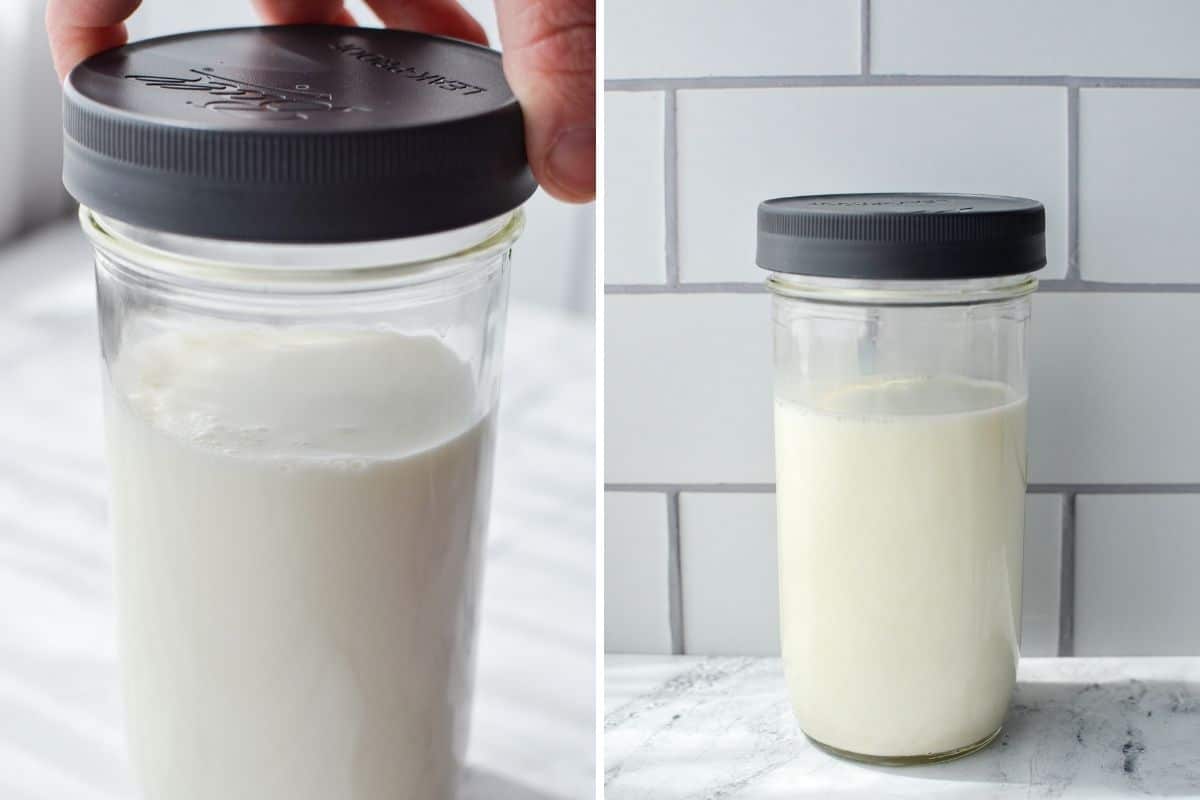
{"points": [[908, 761]]}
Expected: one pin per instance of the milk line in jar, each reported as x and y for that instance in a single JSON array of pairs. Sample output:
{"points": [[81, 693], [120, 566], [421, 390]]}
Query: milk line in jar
{"points": [[296, 568], [897, 498]]}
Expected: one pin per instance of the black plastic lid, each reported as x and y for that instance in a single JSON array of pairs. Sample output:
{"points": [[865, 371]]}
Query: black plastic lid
{"points": [[297, 133], [902, 236]]}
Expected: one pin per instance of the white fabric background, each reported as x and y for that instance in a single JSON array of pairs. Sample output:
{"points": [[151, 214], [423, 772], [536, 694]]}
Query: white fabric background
{"points": [[30, 190]]}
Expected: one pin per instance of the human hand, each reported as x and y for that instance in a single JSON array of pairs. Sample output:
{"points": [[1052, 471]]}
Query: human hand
{"points": [[549, 59]]}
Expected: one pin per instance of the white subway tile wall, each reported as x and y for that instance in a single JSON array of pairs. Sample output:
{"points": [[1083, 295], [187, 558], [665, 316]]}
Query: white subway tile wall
{"points": [[740, 146], [637, 573], [687, 396], [1145, 38], [1114, 388], [1041, 568], [723, 535], [635, 225], [1138, 179], [687, 38], [729, 586], [1136, 591], [1089, 107]]}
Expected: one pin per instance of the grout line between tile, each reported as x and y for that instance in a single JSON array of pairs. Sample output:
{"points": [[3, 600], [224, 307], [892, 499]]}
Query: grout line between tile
{"points": [[1080, 285], [674, 574], [690, 487], [1069, 494], [671, 185], [1073, 183], [864, 36], [875, 79], [1033, 488], [1115, 488], [1050, 285], [686, 288], [1066, 580]]}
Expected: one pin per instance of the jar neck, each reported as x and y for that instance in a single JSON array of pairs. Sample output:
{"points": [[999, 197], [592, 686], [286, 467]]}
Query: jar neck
{"points": [[301, 268], [851, 291]]}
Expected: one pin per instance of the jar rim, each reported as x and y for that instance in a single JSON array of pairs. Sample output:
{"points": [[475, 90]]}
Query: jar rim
{"points": [[271, 267], [874, 292]]}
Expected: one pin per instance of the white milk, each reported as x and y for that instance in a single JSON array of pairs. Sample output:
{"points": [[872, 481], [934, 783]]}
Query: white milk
{"points": [[298, 518], [901, 511]]}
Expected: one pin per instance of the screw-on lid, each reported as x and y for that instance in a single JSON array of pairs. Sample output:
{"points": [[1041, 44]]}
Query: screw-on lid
{"points": [[902, 236], [297, 133]]}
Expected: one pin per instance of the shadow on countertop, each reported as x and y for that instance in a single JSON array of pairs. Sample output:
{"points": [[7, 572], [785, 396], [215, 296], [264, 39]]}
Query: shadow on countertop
{"points": [[1125, 737], [723, 727]]}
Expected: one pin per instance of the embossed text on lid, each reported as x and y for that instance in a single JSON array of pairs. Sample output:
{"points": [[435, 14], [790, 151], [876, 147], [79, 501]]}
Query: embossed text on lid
{"points": [[893, 236], [296, 133]]}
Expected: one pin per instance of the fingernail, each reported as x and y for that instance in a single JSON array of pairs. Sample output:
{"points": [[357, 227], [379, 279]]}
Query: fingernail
{"points": [[572, 161]]}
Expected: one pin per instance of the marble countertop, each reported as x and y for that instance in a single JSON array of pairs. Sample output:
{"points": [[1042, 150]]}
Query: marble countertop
{"points": [[695, 728], [60, 730]]}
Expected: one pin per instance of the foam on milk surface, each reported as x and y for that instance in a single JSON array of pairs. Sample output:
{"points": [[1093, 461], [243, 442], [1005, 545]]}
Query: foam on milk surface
{"points": [[901, 508], [298, 517], [300, 392]]}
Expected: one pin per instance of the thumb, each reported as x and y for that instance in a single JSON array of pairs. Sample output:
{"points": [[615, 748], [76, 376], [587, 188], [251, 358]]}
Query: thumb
{"points": [[550, 62]]}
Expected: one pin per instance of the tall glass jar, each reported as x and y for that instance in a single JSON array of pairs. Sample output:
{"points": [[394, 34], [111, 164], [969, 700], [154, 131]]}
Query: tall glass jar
{"points": [[301, 319], [900, 442]]}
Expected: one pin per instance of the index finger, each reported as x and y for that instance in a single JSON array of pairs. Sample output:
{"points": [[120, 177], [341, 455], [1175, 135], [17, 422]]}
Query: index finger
{"points": [[79, 28], [294, 12]]}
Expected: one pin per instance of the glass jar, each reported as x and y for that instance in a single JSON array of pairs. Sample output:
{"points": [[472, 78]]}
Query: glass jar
{"points": [[302, 296], [900, 446], [301, 473]]}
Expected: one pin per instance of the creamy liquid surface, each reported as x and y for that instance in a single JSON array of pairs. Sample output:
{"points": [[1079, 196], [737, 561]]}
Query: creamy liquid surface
{"points": [[298, 517], [901, 515]]}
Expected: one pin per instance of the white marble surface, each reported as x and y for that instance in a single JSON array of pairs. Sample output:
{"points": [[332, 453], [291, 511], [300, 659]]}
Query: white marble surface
{"points": [[60, 730], [695, 728]]}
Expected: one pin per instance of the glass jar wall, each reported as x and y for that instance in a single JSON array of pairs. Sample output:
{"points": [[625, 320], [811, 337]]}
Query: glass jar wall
{"points": [[900, 446]]}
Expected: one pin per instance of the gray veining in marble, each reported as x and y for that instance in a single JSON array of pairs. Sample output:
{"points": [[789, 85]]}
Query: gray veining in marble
{"points": [[688, 728], [60, 730]]}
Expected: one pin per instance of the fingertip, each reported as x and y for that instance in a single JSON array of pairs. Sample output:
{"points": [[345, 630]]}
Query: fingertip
{"points": [[568, 172], [479, 36], [440, 17], [474, 31], [291, 12], [70, 45]]}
